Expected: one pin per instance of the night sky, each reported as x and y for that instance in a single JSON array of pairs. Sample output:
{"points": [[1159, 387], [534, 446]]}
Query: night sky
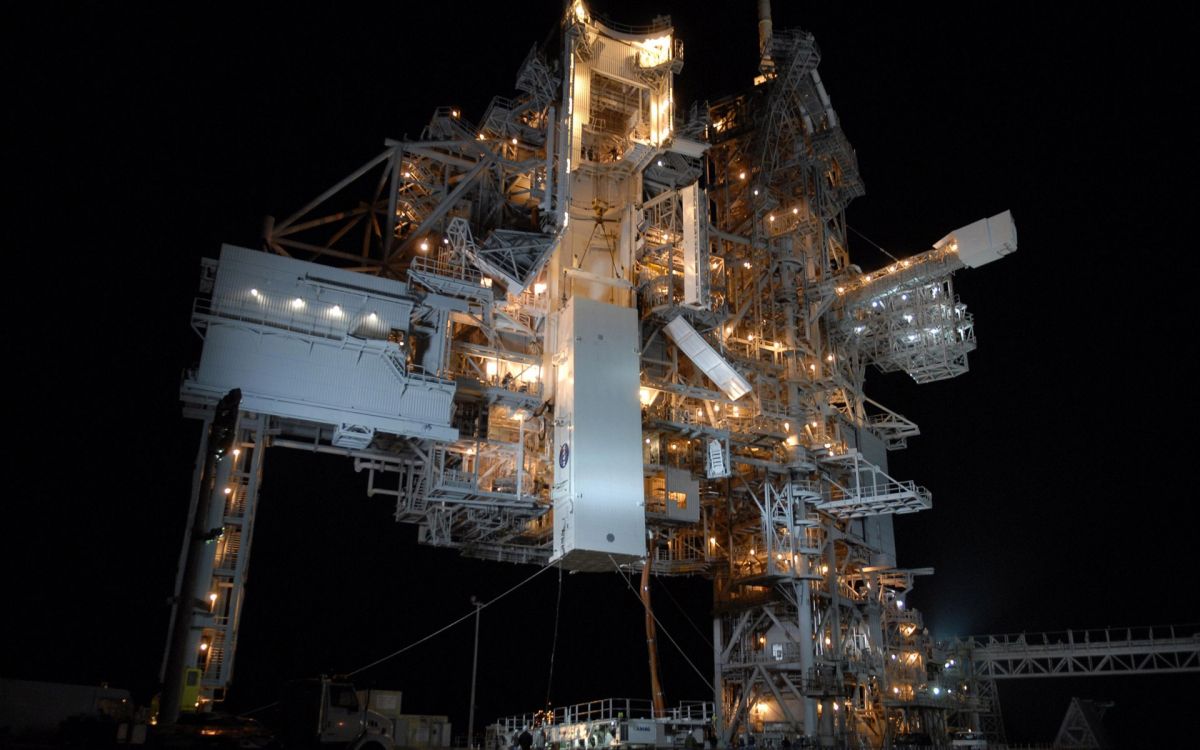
{"points": [[1058, 465]]}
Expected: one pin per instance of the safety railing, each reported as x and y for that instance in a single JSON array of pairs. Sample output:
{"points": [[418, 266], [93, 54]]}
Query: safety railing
{"points": [[658, 25], [441, 265], [607, 709], [278, 315], [1100, 637]]}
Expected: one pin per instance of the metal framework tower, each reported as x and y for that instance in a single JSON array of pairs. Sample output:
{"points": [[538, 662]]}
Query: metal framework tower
{"points": [[971, 665], [591, 320]]}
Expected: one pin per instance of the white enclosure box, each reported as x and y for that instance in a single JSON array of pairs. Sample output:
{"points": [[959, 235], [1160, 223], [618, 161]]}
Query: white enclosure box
{"points": [[598, 496], [646, 732], [984, 241]]}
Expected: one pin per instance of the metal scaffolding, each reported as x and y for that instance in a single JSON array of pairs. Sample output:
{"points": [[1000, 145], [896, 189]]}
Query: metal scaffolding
{"points": [[468, 314]]}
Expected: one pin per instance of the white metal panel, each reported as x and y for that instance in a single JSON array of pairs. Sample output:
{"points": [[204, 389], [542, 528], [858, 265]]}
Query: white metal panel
{"points": [[617, 59], [261, 287], [693, 242], [581, 103], [984, 241], [662, 117], [877, 531], [687, 147], [599, 501], [310, 342], [681, 481], [303, 377], [716, 367]]}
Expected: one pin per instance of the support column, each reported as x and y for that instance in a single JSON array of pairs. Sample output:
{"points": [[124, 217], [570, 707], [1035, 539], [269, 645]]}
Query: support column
{"points": [[718, 681], [875, 617], [834, 625], [804, 621]]}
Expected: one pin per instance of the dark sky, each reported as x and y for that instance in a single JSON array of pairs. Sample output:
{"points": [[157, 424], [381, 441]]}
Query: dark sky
{"points": [[1058, 464]]}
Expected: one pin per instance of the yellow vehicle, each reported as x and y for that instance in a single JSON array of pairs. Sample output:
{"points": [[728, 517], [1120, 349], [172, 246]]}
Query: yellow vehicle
{"points": [[189, 698]]}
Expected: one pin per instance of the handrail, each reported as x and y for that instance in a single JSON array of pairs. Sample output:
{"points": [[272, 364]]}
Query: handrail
{"points": [[441, 266], [1083, 637], [661, 23], [607, 709]]}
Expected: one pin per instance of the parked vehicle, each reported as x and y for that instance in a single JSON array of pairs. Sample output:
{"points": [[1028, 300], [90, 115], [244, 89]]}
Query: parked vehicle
{"points": [[967, 739], [320, 713]]}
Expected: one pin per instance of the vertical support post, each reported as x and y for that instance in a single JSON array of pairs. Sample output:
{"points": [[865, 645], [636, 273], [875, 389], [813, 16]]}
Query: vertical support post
{"points": [[474, 665], [835, 635], [718, 682], [197, 482], [551, 127], [656, 691], [807, 659], [389, 239], [520, 450], [875, 620]]}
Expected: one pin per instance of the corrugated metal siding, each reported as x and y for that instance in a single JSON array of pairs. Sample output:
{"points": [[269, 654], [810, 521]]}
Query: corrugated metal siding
{"points": [[616, 59], [581, 108], [426, 403], [259, 287], [318, 372]]}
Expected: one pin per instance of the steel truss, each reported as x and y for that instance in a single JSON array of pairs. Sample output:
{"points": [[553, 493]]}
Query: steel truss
{"points": [[1101, 651], [975, 663]]}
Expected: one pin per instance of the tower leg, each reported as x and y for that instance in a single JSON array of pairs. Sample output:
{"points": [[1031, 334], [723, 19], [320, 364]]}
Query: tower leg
{"points": [[206, 610]]}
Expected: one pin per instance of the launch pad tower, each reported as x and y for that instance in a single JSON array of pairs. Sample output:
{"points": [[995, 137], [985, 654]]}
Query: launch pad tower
{"points": [[599, 330]]}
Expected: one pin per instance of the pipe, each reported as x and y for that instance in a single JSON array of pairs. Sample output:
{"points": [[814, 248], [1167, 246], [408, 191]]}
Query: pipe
{"points": [[656, 691]]}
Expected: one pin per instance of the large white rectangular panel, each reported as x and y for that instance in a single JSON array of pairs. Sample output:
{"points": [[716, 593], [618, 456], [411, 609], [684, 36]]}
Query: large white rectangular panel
{"points": [[695, 260], [291, 375], [284, 292], [599, 501], [311, 342], [715, 366]]}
